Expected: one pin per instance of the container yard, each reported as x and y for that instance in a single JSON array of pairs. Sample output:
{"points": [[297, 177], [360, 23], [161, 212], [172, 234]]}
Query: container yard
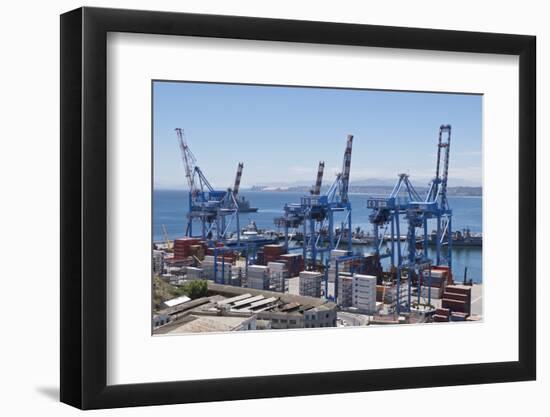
{"points": [[309, 272]]}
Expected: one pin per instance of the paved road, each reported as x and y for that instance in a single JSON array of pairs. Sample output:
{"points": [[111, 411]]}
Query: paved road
{"points": [[353, 319], [477, 300]]}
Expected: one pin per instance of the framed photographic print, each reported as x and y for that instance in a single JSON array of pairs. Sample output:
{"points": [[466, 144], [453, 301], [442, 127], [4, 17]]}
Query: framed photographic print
{"points": [[257, 208]]}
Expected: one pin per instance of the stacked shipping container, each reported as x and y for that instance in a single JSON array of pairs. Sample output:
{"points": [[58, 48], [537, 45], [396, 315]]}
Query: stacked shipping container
{"points": [[441, 315], [364, 292], [258, 277], [182, 247], [342, 266], [294, 263], [273, 252], [193, 273], [458, 299], [225, 269], [158, 261], [438, 281], [310, 284], [345, 291], [277, 275]]}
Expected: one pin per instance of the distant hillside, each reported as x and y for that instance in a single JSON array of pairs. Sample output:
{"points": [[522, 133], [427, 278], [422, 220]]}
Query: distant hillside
{"points": [[460, 191]]}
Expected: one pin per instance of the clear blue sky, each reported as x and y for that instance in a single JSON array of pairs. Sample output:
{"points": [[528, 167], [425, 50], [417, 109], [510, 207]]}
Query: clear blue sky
{"points": [[281, 133]]}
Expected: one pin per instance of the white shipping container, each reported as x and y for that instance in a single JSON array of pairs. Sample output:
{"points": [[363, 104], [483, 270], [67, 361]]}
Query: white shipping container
{"points": [[435, 292], [276, 265], [310, 283], [364, 292], [336, 253]]}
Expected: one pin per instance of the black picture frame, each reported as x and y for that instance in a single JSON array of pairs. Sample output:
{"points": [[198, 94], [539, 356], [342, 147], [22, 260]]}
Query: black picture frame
{"points": [[84, 207]]}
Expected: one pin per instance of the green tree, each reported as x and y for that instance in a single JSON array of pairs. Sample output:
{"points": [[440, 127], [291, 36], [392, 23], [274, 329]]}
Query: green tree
{"points": [[195, 289]]}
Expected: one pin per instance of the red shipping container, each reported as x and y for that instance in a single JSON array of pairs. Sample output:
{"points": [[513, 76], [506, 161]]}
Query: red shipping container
{"points": [[449, 274], [443, 312], [455, 305], [455, 296], [182, 246], [274, 250], [459, 289]]}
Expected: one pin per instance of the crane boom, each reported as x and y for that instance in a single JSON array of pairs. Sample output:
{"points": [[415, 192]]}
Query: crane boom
{"points": [[316, 190], [346, 170], [166, 238], [438, 187], [238, 178], [188, 159], [446, 144]]}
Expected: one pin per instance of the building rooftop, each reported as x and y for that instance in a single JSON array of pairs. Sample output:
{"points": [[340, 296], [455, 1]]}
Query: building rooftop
{"points": [[229, 308], [199, 324], [176, 301], [263, 304], [234, 299], [246, 301], [290, 306], [284, 298]]}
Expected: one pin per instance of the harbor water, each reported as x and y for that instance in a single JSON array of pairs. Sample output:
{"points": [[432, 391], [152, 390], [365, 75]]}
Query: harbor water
{"points": [[170, 209]]}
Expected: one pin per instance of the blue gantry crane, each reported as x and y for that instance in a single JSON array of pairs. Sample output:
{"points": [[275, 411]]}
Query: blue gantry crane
{"points": [[437, 194], [217, 211], [314, 215], [404, 203], [387, 212]]}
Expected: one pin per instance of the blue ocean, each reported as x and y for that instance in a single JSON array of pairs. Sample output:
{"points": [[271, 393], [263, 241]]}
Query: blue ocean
{"points": [[170, 209]]}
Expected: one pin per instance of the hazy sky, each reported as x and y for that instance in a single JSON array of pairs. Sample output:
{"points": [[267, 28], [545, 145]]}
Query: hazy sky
{"points": [[281, 133]]}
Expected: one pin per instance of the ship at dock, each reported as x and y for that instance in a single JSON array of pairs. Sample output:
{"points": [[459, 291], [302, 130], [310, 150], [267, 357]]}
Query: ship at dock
{"points": [[359, 237], [460, 238], [244, 205], [250, 234]]}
